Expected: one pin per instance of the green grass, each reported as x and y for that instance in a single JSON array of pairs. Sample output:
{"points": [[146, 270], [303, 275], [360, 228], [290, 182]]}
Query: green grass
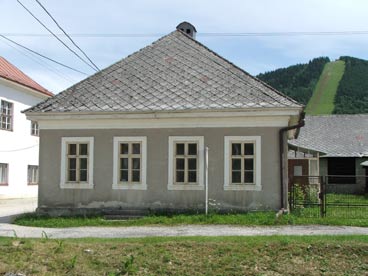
{"points": [[248, 219], [322, 100], [275, 255]]}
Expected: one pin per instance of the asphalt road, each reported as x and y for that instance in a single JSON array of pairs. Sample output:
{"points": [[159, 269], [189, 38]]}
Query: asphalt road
{"points": [[10, 230]]}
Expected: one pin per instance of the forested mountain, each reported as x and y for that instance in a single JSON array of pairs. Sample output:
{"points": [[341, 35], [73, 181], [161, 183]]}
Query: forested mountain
{"points": [[297, 81], [352, 93], [347, 95]]}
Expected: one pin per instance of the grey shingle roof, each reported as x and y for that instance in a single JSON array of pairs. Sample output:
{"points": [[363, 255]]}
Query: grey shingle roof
{"points": [[335, 135], [174, 73]]}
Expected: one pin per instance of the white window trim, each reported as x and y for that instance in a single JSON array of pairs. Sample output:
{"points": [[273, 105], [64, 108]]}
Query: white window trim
{"points": [[63, 173], [130, 186], [227, 158], [188, 187]]}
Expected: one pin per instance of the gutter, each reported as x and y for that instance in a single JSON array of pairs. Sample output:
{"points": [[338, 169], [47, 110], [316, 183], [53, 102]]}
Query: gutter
{"points": [[300, 124]]}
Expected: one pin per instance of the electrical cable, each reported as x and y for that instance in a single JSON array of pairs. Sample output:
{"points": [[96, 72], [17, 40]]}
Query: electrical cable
{"points": [[41, 55], [65, 33], [62, 42]]}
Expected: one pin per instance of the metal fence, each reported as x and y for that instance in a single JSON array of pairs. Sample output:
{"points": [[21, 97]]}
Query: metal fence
{"points": [[329, 196]]}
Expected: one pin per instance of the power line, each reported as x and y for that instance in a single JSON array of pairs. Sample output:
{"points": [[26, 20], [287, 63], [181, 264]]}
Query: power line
{"points": [[57, 24], [62, 42], [41, 55], [230, 34], [40, 62]]}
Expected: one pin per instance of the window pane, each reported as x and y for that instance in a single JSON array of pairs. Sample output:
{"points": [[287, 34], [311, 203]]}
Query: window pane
{"points": [[72, 163], [248, 164], [236, 149], [124, 148], [248, 149], [236, 177], [136, 148], [192, 176], [248, 177], [136, 163], [136, 176], [83, 149], [236, 164], [123, 175], [192, 149], [124, 164], [192, 163], [83, 163], [179, 149], [180, 163], [179, 176], [72, 175], [83, 175], [72, 149]]}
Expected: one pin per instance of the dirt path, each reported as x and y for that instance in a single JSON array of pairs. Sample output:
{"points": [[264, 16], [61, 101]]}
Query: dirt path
{"points": [[10, 230]]}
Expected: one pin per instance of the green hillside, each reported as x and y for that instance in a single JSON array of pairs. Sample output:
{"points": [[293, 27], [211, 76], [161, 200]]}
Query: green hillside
{"points": [[352, 93], [297, 81], [339, 87], [323, 98]]}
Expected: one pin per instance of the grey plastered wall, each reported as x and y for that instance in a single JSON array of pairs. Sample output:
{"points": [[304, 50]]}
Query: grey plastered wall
{"points": [[157, 196]]}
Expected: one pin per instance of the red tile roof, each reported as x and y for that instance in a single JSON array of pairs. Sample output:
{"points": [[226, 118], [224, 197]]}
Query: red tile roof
{"points": [[10, 72]]}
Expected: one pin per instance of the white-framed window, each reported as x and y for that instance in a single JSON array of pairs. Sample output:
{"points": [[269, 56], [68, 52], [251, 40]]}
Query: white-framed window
{"points": [[130, 163], [34, 128], [77, 163], [6, 115], [4, 174], [32, 175], [242, 163], [186, 163]]}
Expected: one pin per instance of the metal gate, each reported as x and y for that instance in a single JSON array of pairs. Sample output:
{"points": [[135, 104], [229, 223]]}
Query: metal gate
{"points": [[320, 196]]}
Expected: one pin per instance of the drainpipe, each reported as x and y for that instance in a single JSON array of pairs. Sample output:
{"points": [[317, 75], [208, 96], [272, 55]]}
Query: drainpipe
{"points": [[206, 184], [300, 124]]}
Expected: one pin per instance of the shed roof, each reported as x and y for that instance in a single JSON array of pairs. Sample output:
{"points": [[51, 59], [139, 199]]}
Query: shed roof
{"points": [[335, 135], [10, 72], [175, 73]]}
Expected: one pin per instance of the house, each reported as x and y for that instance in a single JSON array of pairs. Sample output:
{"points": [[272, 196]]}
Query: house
{"points": [[342, 144], [18, 136], [134, 135]]}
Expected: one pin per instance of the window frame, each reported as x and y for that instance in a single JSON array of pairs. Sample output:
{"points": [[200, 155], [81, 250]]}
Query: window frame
{"points": [[64, 183], [6, 183], [35, 131], [172, 185], [32, 167], [130, 185], [256, 186], [11, 116]]}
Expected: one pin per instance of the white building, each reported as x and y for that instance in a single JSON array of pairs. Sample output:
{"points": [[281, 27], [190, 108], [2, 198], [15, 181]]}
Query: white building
{"points": [[18, 136]]}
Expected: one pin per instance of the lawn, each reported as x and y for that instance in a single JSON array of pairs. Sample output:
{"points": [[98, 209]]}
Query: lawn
{"points": [[323, 98], [275, 255], [248, 219]]}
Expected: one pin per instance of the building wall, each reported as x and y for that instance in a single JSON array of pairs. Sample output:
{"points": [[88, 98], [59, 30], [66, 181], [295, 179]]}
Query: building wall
{"points": [[18, 148], [157, 196]]}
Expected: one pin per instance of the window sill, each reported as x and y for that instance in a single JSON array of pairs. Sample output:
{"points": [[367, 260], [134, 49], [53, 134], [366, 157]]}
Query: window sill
{"points": [[185, 187], [243, 187], [4, 184], [129, 186], [76, 185], [32, 184]]}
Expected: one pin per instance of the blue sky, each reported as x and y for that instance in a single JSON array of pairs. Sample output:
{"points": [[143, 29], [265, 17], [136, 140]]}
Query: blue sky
{"points": [[255, 54]]}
